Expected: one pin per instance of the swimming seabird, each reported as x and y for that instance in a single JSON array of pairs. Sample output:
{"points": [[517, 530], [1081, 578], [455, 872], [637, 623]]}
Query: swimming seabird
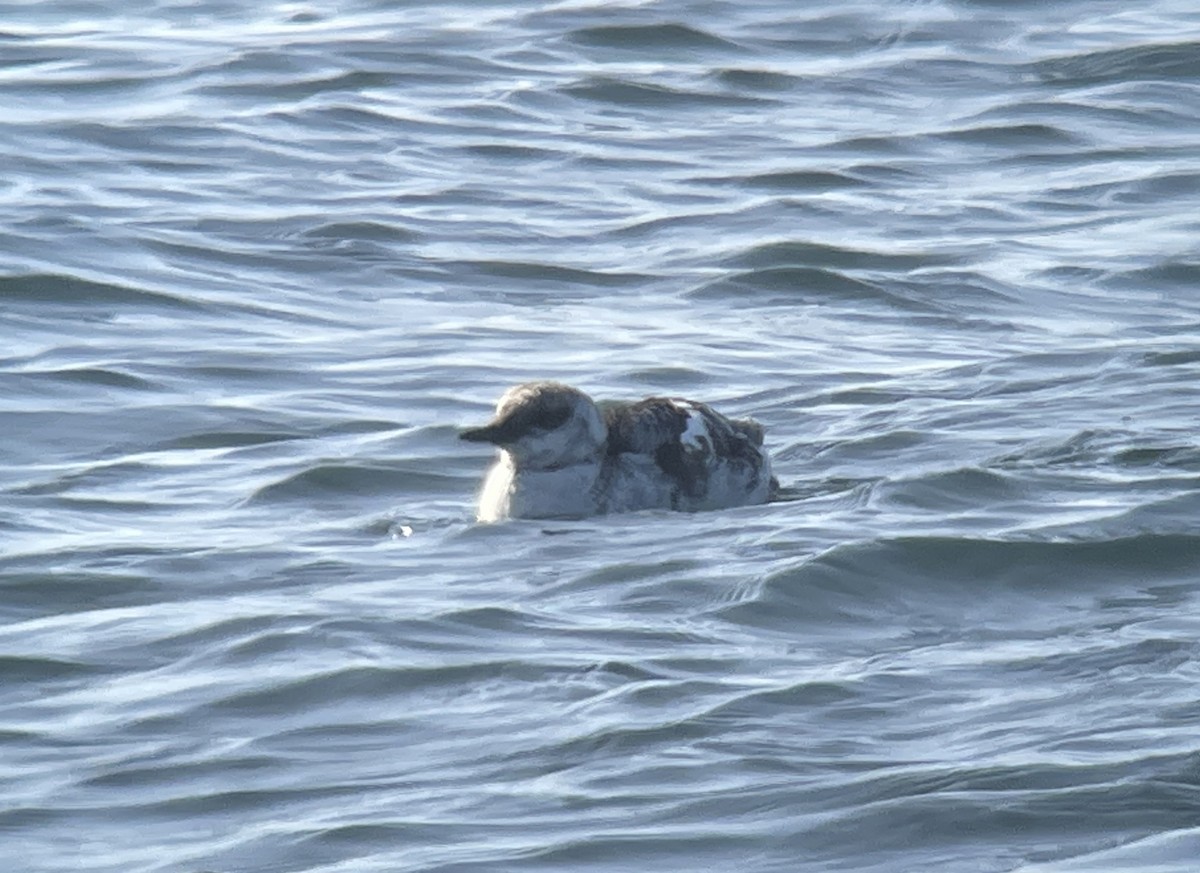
{"points": [[562, 455]]}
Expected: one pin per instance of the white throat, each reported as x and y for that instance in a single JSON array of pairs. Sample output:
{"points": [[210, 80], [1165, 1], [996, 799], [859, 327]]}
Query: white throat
{"points": [[558, 492]]}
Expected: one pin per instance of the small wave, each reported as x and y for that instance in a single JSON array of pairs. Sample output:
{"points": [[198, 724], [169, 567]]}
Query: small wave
{"points": [[1174, 851], [663, 376], [810, 181], [359, 231], [954, 490], [1159, 187], [1160, 62], [554, 273], [29, 594], [1142, 657], [655, 37], [759, 80], [326, 480], [1040, 135], [374, 683], [15, 669], [301, 88], [178, 140], [756, 705], [515, 153], [793, 253], [222, 439], [790, 285], [859, 582], [1173, 359], [104, 377], [49, 288], [653, 96], [1084, 448], [1172, 275], [1170, 457]]}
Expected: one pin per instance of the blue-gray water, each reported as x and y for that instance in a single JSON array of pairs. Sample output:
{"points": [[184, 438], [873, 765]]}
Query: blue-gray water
{"points": [[258, 263]]}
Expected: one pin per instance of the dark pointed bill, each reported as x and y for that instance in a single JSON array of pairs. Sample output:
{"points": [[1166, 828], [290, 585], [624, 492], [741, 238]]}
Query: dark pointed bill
{"points": [[539, 411], [487, 434], [500, 431]]}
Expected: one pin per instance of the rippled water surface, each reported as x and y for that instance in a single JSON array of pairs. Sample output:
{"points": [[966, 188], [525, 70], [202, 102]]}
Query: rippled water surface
{"points": [[260, 262]]}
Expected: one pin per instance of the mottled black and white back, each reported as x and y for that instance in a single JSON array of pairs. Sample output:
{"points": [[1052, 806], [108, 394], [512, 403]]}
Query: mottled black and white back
{"points": [[564, 456]]}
